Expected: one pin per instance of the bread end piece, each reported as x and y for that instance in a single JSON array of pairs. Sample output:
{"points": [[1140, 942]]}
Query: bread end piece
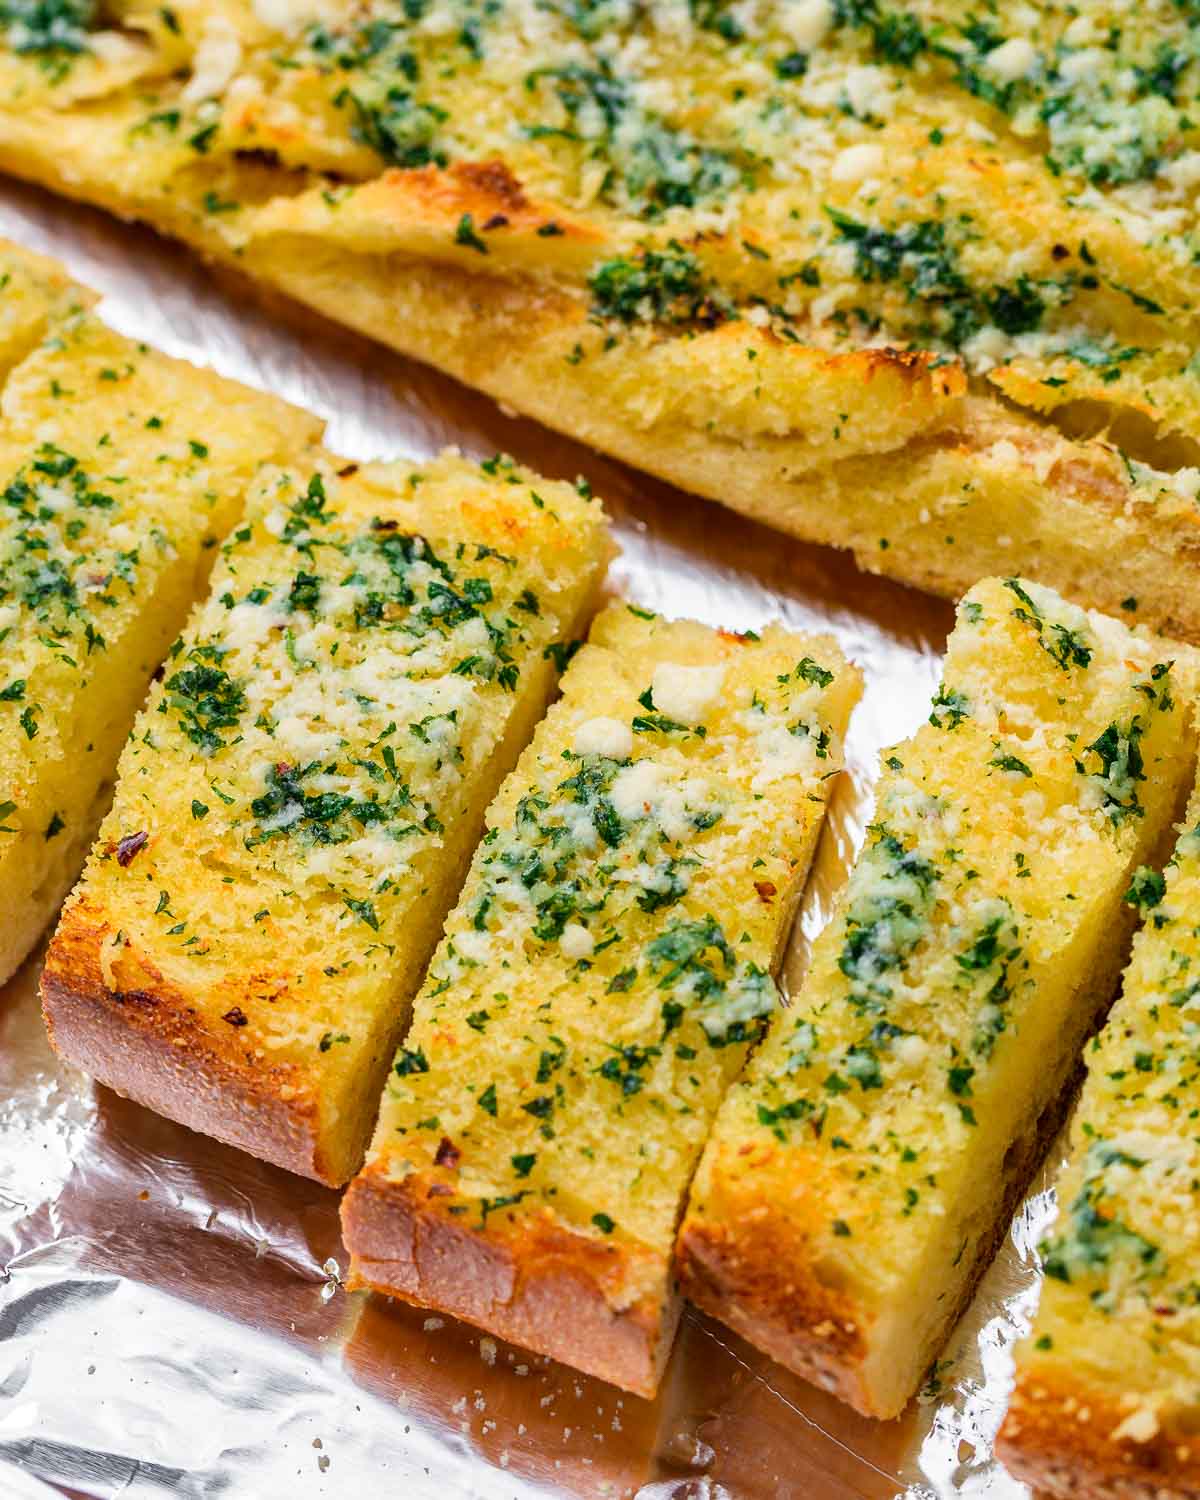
{"points": [[542, 1287]]}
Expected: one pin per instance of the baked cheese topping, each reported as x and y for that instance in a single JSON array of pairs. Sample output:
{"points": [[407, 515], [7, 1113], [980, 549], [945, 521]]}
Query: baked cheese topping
{"points": [[119, 472], [1004, 836], [1122, 1261], [296, 794], [609, 961]]}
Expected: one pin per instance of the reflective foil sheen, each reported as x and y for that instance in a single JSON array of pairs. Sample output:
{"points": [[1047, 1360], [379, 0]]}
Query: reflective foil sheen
{"points": [[172, 1320]]}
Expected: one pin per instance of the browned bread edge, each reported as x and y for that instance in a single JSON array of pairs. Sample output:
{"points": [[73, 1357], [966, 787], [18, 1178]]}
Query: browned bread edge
{"points": [[1058, 1436], [148, 1043], [539, 1284]]}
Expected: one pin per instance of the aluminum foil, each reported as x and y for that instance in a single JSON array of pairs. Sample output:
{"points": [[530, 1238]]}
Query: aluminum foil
{"points": [[172, 1318]]}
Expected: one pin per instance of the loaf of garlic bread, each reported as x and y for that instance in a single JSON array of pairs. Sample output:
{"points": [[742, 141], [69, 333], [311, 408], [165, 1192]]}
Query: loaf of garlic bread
{"points": [[902, 280], [861, 1173], [606, 969], [1106, 1401], [120, 469], [303, 789]]}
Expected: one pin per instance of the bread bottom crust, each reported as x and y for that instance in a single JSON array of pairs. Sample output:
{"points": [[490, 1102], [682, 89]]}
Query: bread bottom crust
{"points": [[541, 1287]]}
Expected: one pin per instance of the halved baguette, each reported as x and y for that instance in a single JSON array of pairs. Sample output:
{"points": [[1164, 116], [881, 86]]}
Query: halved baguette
{"points": [[860, 1175], [120, 469], [303, 789], [821, 266], [1106, 1400], [605, 970]]}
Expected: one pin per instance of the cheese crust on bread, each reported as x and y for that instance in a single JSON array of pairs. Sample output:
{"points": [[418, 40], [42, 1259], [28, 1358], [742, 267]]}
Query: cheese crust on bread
{"points": [[861, 1173], [904, 281], [304, 787], [600, 981], [120, 470], [1105, 1401]]}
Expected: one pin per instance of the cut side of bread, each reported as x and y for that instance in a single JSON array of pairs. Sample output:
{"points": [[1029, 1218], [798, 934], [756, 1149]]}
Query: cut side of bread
{"points": [[304, 787], [754, 253], [860, 1175], [120, 470], [1105, 1402], [599, 983]]}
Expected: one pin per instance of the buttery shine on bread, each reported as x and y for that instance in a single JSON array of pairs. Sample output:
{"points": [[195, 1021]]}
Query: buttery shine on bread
{"points": [[860, 1175], [606, 969], [901, 281], [120, 470], [304, 787], [1105, 1402]]}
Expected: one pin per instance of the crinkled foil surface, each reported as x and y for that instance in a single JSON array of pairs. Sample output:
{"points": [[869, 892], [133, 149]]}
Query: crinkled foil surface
{"points": [[172, 1321]]}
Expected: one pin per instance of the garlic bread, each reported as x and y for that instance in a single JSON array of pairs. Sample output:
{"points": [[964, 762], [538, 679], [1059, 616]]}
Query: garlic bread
{"points": [[1105, 1401], [902, 281], [861, 1173], [303, 788], [120, 470], [605, 971]]}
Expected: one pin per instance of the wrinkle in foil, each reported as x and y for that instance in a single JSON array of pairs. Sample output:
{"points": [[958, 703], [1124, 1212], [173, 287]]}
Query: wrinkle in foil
{"points": [[172, 1318]]}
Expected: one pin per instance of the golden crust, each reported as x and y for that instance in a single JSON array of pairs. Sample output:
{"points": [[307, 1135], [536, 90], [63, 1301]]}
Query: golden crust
{"points": [[539, 1284], [135, 1033], [1059, 1436], [763, 1289]]}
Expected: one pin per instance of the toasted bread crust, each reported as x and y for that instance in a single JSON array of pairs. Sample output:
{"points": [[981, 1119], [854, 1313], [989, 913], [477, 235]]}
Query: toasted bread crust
{"points": [[765, 1292], [543, 1286], [147, 1043], [1058, 1435]]}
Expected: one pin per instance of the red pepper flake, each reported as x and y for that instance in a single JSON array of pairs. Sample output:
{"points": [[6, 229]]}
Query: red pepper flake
{"points": [[767, 890], [448, 1154], [497, 221], [236, 1016], [131, 845]]}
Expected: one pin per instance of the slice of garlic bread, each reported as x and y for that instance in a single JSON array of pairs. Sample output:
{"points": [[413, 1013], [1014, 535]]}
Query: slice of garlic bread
{"points": [[1106, 1399], [303, 789], [601, 978], [120, 469], [860, 1175]]}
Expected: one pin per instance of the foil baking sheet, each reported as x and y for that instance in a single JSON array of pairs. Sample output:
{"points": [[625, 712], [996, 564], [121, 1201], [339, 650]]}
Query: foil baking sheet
{"points": [[172, 1316]]}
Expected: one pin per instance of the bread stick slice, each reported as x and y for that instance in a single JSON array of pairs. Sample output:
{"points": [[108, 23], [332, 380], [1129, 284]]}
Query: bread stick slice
{"points": [[303, 789], [860, 1175], [1106, 1394], [120, 469], [600, 980]]}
